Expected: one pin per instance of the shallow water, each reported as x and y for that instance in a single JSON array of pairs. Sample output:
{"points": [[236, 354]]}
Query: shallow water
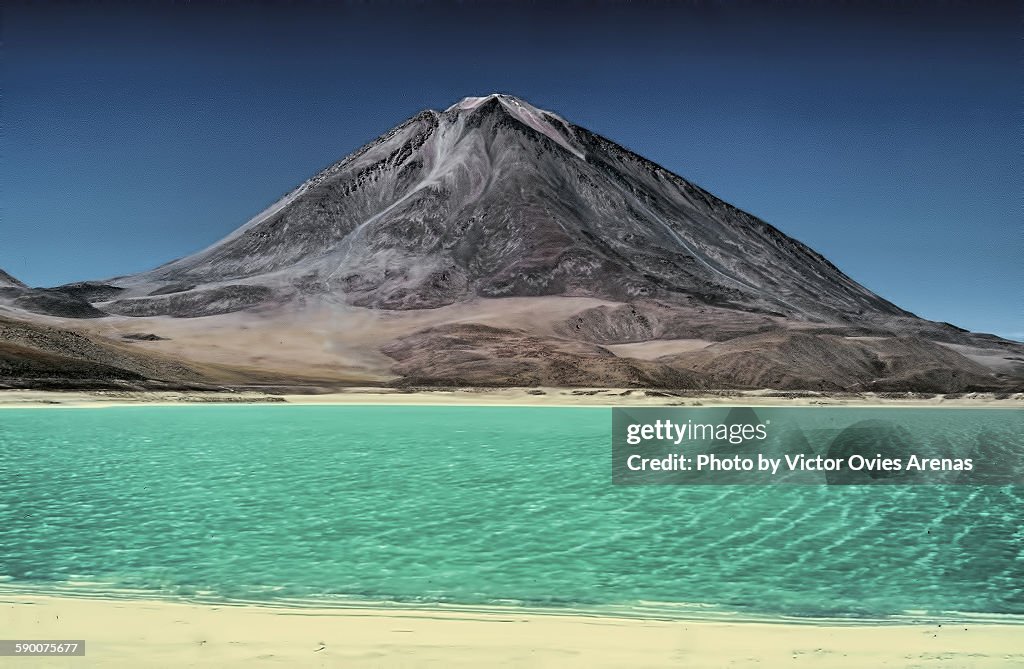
{"points": [[475, 506]]}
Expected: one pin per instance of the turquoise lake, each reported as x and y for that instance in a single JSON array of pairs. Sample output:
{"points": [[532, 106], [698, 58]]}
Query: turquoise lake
{"points": [[476, 506]]}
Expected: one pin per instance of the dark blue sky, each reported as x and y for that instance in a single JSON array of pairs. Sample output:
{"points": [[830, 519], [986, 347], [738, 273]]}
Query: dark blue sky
{"points": [[887, 139]]}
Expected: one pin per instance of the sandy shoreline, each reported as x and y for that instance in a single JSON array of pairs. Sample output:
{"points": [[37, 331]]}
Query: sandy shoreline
{"points": [[133, 633], [580, 397]]}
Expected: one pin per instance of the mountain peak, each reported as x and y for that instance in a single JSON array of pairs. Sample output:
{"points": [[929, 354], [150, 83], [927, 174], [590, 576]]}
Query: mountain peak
{"points": [[547, 123], [472, 102]]}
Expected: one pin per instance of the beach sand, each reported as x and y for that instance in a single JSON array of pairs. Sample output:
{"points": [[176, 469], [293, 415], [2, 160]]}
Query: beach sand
{"points": [[607, 397], [138, 633]]}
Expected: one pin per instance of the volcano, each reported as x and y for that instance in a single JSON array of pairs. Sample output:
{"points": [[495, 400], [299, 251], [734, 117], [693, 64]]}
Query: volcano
{"points": [[496, 243], [496, 198]]}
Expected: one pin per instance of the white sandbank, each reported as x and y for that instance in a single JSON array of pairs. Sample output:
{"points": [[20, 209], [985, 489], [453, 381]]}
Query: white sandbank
{"points": [[598, 397], [139, 633]]}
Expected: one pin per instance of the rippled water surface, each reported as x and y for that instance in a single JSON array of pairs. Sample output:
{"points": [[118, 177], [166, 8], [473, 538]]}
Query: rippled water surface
{"points": [[473, 506]]}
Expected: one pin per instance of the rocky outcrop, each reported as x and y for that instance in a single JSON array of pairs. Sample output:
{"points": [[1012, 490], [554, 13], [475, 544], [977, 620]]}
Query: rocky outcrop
{"points": [[479, 355], [8, 281], [194, 303], [56, 303], [35, 355], [815, 361], [66, 302]]}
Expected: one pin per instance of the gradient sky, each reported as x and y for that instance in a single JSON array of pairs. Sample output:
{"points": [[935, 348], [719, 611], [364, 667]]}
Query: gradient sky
{"points": [[887, 139]]}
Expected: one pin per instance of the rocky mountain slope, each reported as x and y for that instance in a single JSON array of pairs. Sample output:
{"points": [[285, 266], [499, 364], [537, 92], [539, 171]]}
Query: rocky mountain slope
{"points": [[8, 281], [415, 237], [39, 356], [62, 301], [496, 198]]}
